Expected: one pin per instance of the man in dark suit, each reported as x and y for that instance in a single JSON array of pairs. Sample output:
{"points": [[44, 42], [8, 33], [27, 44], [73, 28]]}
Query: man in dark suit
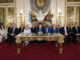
{"points": [[21, 29], [40, 29], [10, 28], [11, 36], [66, 31], [47, 29], [54, 29], [59, 28], [33, 29], [76, 33], [9, 31]]}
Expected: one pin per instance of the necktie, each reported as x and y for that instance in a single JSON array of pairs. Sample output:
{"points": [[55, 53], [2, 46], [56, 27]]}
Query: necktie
{"points": [[22, 29], [65, 30], [77, 29], [13, 30]]}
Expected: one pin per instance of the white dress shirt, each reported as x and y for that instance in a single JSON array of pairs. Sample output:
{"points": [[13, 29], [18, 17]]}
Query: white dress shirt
{"points": [[65, 29]]}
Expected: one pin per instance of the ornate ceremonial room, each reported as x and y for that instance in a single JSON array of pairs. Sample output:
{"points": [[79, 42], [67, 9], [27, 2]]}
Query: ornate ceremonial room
{"points": [[40, 29]]}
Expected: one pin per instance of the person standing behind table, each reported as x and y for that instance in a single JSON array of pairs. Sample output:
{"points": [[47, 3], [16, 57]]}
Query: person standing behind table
{"points": [[21, 28], [10, 28], [12, 34], [66, 31], [3, 33], [75, 33], [47, 29], [27, 30]]}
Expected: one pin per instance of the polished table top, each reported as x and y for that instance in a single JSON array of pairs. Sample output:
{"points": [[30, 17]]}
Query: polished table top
{"points": [[40, 35]]}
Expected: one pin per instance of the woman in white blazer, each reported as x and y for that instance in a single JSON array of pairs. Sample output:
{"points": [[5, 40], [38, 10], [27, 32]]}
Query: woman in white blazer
{"points": [[3, 33], [28, 31]]}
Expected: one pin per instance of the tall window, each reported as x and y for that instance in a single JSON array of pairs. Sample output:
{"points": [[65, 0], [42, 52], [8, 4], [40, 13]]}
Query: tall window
{"points": [[73, 11]]}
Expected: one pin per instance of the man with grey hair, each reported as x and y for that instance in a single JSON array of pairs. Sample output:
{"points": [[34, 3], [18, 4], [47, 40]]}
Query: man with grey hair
{"points": [[75, 33]]}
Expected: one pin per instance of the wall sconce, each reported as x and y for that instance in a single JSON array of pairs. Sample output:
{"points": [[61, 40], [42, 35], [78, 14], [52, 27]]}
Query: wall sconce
{"points": [[59, 11], [20, 17], [59, 17], [20, 14]]}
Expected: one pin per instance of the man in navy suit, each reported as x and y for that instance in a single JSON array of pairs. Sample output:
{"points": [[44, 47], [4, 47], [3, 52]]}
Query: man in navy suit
{"points": [[33, 29], [10, 28], [40, 29], [47, 29], [59, 28], [75, 33], [12, 34], [21, 28], [66, 31], [54, 29]]}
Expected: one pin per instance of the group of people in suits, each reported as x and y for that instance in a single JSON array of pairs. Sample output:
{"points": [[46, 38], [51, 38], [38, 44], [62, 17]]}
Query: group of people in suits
{"points": [[71, 34], [46, 29]]}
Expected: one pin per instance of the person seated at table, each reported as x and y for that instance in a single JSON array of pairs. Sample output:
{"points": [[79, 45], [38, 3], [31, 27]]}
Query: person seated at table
{"points": [[40, 29], [76, 33], [65, 30], [59, 28], [3, 33], [21, 28], [47, 29], [54, 29], [33, 29], [28, 31], [12, 33]]}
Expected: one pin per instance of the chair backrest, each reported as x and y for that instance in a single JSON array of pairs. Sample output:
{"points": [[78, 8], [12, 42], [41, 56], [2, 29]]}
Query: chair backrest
{"points": [[44, 23]]}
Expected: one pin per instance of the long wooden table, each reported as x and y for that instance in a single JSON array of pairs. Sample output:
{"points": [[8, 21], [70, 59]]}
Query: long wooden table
{"points": [[39, 37]]}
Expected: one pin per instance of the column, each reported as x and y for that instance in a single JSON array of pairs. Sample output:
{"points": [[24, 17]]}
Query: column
{"points": [[6, 17], [15, 13], [75, 14]]}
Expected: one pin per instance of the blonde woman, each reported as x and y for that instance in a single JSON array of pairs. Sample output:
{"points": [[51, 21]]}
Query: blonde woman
{"points": [[3, 33], [28, 31]]}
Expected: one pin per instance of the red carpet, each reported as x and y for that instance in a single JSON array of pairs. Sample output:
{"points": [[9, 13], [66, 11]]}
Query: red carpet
{"points": [[39, 52]]}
